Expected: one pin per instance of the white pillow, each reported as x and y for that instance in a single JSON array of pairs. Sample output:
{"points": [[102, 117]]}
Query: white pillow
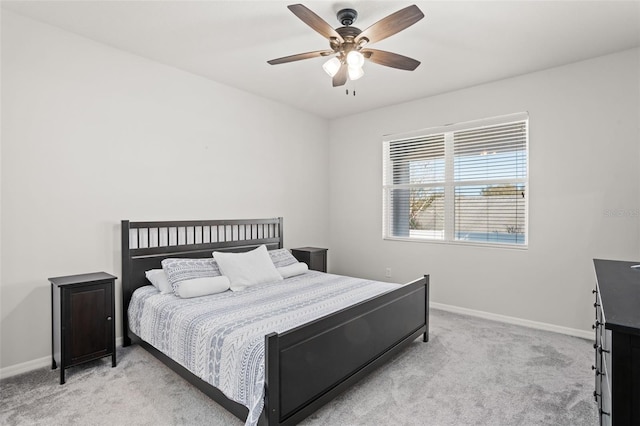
{"points": [[289, 271], [158, 278], [203, 286], [247, 269]]}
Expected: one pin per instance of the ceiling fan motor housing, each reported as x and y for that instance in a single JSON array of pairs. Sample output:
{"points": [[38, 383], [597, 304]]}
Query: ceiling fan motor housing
{"points": [[347, 16]]}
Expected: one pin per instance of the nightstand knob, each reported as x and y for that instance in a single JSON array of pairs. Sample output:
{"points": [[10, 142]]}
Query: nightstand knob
{"points": [[108, 318]]}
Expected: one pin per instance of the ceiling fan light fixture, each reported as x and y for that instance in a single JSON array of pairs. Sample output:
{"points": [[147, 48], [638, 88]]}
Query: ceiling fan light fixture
{"points": [[355, 72], [347, 42], [332, 66], [355, 59]]}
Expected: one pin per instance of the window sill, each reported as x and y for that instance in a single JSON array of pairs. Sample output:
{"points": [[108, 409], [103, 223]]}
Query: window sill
{"points": [[460, 243]]}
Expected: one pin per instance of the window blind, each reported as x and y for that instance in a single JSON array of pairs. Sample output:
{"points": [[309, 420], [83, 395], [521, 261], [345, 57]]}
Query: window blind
{"points": [[415, 176], [490, 183], [466, 184]]}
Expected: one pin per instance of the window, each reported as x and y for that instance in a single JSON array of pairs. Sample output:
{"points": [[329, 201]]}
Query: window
{"points": [[459, 183]]}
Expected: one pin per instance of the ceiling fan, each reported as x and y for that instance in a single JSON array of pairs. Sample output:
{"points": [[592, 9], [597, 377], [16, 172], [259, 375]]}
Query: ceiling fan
{"points": [[349, 44]]}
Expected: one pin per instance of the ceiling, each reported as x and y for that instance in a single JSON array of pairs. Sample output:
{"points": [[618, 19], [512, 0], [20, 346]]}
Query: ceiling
{"points": [[460, 43]]}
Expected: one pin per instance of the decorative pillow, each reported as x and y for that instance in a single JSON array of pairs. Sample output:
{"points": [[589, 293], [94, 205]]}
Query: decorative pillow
{"points": [[203, 286], [282, 257], [158, 278], [247, 269], [179, 270], [289, 271]]}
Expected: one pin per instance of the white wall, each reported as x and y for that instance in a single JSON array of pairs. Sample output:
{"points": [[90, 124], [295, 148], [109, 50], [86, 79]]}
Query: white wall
{"points": [[584, 150], [92, 135]]}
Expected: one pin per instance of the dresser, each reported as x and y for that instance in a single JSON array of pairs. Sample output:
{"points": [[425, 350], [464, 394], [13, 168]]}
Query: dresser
{"points": [[82, 319], [617, 342]]}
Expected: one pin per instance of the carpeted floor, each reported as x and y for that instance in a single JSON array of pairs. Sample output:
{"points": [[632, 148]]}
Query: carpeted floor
{"points": [[472, 372]]}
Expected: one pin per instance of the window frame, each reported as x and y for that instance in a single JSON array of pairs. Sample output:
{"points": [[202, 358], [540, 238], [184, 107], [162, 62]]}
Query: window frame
{"points": [[449, 184]]}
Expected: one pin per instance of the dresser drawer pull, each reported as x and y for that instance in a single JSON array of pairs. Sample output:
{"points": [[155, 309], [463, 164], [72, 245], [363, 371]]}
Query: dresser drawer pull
{"points": [[598, 372], [596, 395], [597, 324], [595, 305], [108, 318], [594, 291], [604, 413]]}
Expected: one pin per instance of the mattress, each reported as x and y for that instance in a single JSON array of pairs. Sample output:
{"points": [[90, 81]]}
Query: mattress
{"points": [[220, 337]]}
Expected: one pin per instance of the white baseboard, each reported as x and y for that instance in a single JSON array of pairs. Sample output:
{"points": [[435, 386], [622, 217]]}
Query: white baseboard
{"points": [[513, 320], [25, 367]]}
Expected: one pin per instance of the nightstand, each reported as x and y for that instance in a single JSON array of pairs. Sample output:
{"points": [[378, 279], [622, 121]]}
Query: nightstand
{"points": [[82, 319], [314, 257]]}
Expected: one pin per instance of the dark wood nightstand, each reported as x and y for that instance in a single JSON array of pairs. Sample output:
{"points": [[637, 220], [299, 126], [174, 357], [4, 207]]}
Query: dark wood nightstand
{"points": [[82, 319], [314, 257]]}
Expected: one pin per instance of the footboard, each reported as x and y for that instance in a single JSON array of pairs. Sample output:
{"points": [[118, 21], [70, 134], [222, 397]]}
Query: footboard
{"points": [[308, 366]]}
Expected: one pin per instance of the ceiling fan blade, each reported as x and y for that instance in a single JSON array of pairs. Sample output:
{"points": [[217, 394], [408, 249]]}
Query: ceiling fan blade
{"points": [[392, 24], [300, 56], [341, 76], [390, 59], [314, 21]]}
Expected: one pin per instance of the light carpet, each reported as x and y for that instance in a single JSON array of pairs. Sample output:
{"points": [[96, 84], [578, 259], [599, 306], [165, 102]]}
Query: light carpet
{"points": [[472, 372]]}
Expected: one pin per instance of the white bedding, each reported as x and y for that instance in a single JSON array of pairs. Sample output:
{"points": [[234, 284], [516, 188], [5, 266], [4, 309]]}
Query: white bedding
{"points": [[220, 338]]}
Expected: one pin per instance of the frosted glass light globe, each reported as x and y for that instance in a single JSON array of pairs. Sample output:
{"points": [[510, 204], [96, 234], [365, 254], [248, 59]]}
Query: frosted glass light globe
{"points": [[332, 66], [355, 72], [355, 59]]}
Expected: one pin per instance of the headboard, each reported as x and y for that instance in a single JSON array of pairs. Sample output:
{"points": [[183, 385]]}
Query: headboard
{"points": [[146, 244]]}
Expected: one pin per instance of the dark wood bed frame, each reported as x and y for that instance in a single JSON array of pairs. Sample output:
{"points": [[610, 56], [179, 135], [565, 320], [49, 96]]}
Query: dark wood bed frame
{"points": [[305, 367]]}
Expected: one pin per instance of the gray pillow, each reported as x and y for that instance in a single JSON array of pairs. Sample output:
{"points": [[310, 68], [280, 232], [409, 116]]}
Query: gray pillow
{"points": [[179, 270], [282, 257]]}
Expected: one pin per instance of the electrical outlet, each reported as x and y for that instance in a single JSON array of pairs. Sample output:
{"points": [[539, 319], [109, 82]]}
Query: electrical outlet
{"points": [[387, 273]]}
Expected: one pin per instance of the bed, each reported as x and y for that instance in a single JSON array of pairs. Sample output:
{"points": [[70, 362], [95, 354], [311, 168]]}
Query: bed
{"points": [[304, 367]]}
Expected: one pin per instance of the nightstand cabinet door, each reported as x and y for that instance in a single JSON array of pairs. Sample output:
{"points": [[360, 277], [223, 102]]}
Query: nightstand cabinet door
{"points": [[88, 322], [314, 257], [82, 319]]}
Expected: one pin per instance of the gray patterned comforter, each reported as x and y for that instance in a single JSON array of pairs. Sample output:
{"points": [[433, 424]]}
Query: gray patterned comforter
{"points": [[220, 338]]}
